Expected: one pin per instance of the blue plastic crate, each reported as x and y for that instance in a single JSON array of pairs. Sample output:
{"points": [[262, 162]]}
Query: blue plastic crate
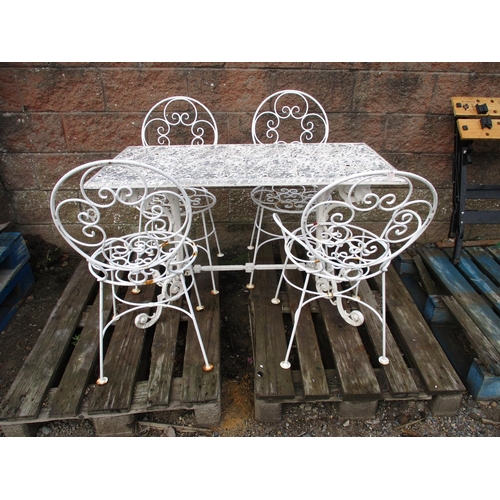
{"points": [[16, 278], [13, 250]]}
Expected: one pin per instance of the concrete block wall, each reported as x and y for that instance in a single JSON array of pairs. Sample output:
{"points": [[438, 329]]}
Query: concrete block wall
{"points": [[54, 116]]}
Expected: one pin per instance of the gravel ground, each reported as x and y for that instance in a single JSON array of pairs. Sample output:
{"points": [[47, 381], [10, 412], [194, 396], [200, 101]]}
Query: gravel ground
{"points": [[393, 419]]}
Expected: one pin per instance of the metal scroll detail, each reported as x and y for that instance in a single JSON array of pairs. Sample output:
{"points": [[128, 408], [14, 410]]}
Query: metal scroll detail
{"points": [[302, 111], [179, 111], [133, 233], [283, 199], [160, 215], [350, 231]]}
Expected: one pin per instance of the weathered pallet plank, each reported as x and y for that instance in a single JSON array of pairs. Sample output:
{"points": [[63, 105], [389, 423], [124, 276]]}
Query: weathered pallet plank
{"points": [[32, 398], [428, 283], [139, 405], [74, 382], [26, 395], [163, 358], [488, 355], [485, 261], [494, 251], [473, 356], [420, 344], [357, 377], [398, 374], [476, 306], [311, 366], [199, 385], [477, 278], [121, 362], [270, 343]]}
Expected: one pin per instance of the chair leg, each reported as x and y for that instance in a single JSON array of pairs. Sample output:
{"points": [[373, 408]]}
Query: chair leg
{"points": [[209, 254], [251, 246], [285, 363], [208, 366], [199, 307], [115, 306], [275, 299], [219, 251], [258, 223], [383, 360], [102, 380]]}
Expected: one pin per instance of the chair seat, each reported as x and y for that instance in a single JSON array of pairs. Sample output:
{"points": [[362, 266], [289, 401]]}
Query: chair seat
{"points": [[141, 258], [201, 199], [290, 200]]}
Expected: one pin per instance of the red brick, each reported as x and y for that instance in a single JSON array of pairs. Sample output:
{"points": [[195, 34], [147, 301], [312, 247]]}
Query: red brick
{"points": [[48, 233], [27, 132], [437, 169], [268, 65], [61, 89], [419, 134], [103, 132], [31, 207], [10, 100], [230, 90], [454, 85], [357, 127], [401, 92], [222, 121], [17, 171], [51, 167], [406, 162], [135, 90], [333, 89], [461, 67], [6, 215], [185, 65], [239, 129], [244, 90]]}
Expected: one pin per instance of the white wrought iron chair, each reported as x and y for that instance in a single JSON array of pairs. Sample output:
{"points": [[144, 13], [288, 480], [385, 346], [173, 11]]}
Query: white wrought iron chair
{"points": [[287, 116], [130, 221], [338, 244], [184, 120]]}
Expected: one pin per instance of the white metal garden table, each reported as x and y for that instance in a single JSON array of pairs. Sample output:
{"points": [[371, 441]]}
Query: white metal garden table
{"points": [[251, 165]]}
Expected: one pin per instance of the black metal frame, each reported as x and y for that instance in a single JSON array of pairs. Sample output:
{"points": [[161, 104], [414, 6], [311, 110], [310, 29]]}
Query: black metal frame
{"points": [[463, 191]]}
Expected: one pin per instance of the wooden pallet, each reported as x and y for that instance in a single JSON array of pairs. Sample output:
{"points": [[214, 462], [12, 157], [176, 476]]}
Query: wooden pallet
{"points": [[337, 363], [461, 303], [155, 370]]}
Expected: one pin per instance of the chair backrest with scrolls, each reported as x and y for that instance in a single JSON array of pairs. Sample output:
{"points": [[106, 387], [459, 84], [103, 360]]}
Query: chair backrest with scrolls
{"points": [[290, 116], [121, 206], [358, 224], [179, 120]]}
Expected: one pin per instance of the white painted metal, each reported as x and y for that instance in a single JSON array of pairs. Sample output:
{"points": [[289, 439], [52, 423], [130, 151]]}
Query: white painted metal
{"points": [[252, 165], [193, 117], [133, 234], [338, 248], [309, 125]]}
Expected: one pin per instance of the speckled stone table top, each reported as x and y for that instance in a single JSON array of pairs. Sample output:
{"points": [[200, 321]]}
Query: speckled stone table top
{"points": [[249, 165]]}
